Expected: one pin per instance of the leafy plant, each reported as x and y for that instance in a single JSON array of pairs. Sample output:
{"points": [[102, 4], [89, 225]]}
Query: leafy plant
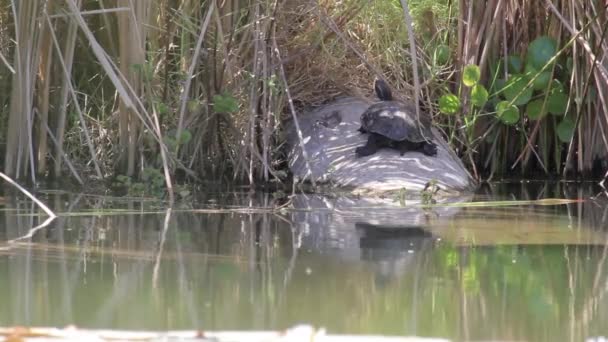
{"points": [[507, 112], [431, 188], [225, 103], [449, 104]]}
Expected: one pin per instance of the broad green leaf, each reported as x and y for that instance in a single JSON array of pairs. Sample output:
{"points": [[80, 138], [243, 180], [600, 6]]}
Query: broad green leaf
{"points": [[533, 109], [442, 54], [557, 103], [449, 104], [540, 51], [565, 130], [515, 90], [515, 64], [471, 75], [507, 114], [479, 95], [225, 103], [541, 81], [557, 100]]}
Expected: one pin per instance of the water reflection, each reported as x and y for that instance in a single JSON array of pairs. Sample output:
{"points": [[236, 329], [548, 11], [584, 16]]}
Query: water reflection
{"points": [[351, 265]]}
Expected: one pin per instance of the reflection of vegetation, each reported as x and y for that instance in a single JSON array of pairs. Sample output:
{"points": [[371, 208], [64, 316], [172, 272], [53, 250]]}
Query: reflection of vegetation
{"points": [[226, 272], [265, 271]]}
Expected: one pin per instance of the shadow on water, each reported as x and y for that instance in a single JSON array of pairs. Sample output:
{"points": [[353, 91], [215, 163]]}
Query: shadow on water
{"points": [[351, 265]]}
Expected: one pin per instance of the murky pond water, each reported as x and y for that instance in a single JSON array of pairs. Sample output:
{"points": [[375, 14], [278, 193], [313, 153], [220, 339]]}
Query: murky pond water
{"points": [[525, 272]]}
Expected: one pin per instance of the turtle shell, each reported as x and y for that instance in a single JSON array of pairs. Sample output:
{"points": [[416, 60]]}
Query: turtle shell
{"points": [[396, 121]]}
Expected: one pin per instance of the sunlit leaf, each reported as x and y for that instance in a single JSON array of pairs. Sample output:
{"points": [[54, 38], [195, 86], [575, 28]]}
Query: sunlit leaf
{"points": [[471, 75], [479, 95], [449, 104]]}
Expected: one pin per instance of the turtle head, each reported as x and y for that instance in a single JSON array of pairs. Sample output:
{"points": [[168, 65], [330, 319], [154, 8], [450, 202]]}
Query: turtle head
{"points": [[383, 91]]}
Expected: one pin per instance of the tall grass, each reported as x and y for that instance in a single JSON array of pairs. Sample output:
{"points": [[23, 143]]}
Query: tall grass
{"points": [[199, 89]]}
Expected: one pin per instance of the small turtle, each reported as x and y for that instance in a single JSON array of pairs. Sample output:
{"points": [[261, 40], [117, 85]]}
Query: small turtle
{"points": [[393, 124]]}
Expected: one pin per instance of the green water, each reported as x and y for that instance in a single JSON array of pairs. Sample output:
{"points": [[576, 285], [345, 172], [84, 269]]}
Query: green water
{"points": [[510, 273]]}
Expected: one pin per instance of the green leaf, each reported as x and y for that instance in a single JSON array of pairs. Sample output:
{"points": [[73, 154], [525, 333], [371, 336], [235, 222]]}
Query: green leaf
{"points": [[533, 109], [170, 142], [442, 54], [194, 106], [542, 81], [449, 104], [479, 95], [471, 75], [507, 114], [515, 64], [569, 65], [557, 100], [565, 130], [225, 103], [540, 51], [557, 86], [498, 86], [185, 137], [515, 90], [162, 108]]}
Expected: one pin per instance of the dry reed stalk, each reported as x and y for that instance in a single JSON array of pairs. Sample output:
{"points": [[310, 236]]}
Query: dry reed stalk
{"points": [[107, 15], [124, 89], [72, 92], [64, 157], [293, 113], [6, 63], [269, 107], [131, 53], [414, 56], [190, 74], [19, 146], [62, 106], [46, 209], [43, 94]]}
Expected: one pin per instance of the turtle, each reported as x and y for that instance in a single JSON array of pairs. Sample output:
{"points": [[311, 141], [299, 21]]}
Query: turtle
{"points": [[393, 124]]}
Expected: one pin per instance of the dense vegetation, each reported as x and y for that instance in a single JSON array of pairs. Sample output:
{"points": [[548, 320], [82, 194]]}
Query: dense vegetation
{"points": [[156, 90]]}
